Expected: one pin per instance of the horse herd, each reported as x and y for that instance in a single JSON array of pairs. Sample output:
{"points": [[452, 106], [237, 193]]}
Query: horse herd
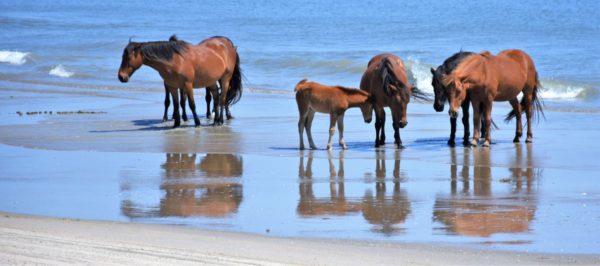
{"points": [[465, 78]]}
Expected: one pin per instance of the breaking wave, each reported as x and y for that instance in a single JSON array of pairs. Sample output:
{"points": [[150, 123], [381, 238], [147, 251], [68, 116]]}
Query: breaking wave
{"points": [[60, 71], [13, 57]]}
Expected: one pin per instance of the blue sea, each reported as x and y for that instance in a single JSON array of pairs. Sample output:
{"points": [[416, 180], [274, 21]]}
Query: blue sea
{"points": [[78, 44]]}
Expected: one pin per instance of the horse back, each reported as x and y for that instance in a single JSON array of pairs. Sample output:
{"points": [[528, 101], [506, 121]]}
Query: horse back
{"points": [[321, 98]]}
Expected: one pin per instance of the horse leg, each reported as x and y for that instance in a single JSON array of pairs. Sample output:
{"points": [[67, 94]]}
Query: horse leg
{"points": [[207, 97], [452, 131], [487, 122], [382, 137], [182, 97], [378, 124], [214, 90], [517, 109], [528, 105], [223, 99], [332, 121], [308, 125], [301, 125], [465, 121], [396, 127], [340, 124], [189, 89], [476, 123], [167, 103], [174, 95], [229, 116]]}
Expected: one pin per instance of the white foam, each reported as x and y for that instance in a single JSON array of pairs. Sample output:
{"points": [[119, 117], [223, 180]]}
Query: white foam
{"points": [[13, 57], [60, 71], [421, 74], [557, 90]]}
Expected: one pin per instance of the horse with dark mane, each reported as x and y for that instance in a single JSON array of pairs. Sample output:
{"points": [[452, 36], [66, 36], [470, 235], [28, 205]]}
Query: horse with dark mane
{"points": [[184, 66], [441, 94], [182, 99], [487, 78], [385, 79]]}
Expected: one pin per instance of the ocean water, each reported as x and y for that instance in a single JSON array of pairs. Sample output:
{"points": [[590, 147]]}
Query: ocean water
{"points": [[79, 43]]}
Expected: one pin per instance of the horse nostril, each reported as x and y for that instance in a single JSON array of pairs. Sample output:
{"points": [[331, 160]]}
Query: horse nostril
{"points": [[123, 79]]}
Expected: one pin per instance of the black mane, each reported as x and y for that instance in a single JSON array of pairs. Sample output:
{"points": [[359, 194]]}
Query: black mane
{"points": [[162, 51], [452, 62]]}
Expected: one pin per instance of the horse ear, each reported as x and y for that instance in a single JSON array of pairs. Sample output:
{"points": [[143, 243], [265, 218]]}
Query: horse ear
{"points": [[432, 71]]}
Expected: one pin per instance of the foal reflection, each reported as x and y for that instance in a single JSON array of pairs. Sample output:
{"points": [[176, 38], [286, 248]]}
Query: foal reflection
{"points": [[477, 211], [336, 203]]}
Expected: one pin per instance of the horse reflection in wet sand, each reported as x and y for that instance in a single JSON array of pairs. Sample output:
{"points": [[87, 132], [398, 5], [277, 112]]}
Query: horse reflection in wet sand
{"points": [[203, 189], [487, 78], [381, 209], [184, 66], [476, 210], [313, 97]]}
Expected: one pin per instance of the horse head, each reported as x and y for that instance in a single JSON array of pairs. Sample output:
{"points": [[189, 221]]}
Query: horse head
{"points": [[132, 60], [367, 109], [456, 91], [438, 89]]}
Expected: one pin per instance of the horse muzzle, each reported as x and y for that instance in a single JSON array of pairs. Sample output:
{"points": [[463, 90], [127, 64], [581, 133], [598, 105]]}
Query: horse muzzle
{"points": [[403, 124], [123, 78], [368, 120], [438, 107]]}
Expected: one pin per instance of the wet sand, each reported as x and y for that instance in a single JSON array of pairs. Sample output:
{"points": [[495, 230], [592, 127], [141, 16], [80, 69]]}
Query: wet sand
{"points": [[524, 202]]}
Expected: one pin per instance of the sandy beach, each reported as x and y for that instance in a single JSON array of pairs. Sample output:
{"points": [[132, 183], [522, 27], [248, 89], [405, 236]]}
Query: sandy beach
{"points": [[40, 240], [111, 173]]}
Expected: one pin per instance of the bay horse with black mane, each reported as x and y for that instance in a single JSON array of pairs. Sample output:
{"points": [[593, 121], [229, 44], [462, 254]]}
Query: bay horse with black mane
{"points": [[487, 78], [182, 99], [184, 66], [441, 96], [385, 79]]}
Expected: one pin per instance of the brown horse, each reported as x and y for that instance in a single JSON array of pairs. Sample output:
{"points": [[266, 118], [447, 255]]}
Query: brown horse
{"points": [[488, 78], [385, 79], [313, 97], [185, 66]]}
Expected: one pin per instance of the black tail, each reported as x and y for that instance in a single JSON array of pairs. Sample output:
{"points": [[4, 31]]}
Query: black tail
{"points": [[234, 93], [387, 75], [537, 104]]}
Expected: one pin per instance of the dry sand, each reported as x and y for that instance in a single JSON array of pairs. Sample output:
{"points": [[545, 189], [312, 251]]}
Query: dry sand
{"points": [[40, 240]]}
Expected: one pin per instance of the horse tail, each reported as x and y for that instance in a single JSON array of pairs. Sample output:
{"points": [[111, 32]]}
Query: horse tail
{"points": [[536, 101], [234, 93], [387, 75]]}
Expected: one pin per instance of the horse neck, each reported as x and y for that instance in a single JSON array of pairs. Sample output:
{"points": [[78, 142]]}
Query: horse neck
{"points": [[155, 64], [356, 99]]}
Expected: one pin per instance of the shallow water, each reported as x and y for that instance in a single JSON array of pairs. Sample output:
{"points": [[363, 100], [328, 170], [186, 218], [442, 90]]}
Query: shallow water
{"points": [[248, 175]]}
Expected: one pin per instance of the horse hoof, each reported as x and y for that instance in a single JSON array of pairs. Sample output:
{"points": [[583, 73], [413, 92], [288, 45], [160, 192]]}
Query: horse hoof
{"points": [[474, 143], [516, 140], [229, 117], [451, 143], [529, 140], [301, 148], [344, 147], [313, 147], [486, 144]]}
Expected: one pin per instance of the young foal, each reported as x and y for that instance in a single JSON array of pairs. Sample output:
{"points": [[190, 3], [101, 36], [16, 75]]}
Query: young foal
{"points": [[313, 97]]}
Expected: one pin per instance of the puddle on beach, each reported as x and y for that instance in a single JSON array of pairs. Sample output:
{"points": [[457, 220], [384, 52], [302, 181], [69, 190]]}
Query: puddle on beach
{"points": [[512, 204]]}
